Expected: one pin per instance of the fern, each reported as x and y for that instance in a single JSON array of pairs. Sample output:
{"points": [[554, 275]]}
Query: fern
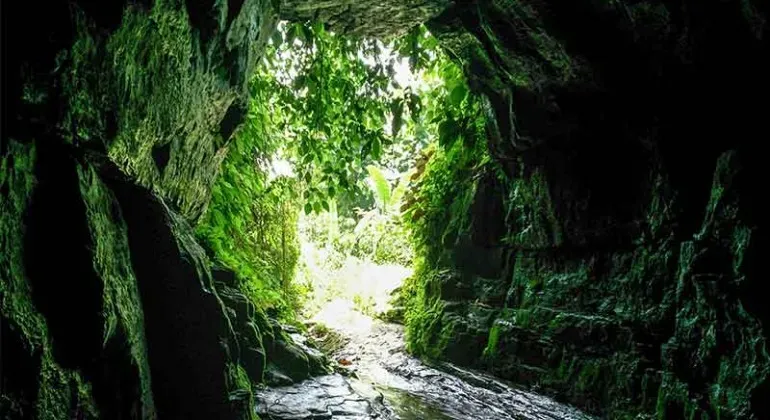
{"points": [[380, 187]]}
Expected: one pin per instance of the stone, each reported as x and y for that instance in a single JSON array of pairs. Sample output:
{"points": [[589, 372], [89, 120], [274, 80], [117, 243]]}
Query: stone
{"points": [[627, 231], [378, 19], [393, 385]]}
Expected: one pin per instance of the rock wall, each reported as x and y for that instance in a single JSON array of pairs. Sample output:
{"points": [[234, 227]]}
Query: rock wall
{"points": [[116, 117], [615, 262], [370, 18]]}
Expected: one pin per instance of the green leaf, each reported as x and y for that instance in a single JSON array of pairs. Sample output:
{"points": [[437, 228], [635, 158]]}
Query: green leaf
{"points": [[299, 32], [448, 132], [376, 148], [317, 207], [379, 186], [325, 205], [398, 193], [430, 43], [308, 208], [307, 33], [458, 94], [415, 106], [299, 82], [331, 191]]}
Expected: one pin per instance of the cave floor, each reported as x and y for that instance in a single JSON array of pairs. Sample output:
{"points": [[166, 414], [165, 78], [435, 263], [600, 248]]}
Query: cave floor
{"points": [[378, 379]]}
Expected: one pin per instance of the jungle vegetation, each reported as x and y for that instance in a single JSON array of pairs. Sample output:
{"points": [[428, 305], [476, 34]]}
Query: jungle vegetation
{"points": [[319, 183]]}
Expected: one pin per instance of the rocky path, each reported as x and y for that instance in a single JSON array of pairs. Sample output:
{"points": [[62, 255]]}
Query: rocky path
{"points": [[386, 383]]}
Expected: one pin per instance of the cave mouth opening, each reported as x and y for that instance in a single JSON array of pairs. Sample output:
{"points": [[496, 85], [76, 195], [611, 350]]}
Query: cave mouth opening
{"points": [[311, 207]]}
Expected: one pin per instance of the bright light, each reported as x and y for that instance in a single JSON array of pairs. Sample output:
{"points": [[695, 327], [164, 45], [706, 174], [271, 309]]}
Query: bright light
{"points": [[280, 167], [404, 76], [349, 284], [341, 314]]}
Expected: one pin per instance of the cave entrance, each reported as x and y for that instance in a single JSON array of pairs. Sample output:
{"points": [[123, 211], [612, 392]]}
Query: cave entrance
{"points": [[326, 194], [309, 207], [353, 151]]}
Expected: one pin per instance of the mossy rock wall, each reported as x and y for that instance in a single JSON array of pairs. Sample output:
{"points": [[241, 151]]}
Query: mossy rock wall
{"points": [[116, 117], [622, 275]]}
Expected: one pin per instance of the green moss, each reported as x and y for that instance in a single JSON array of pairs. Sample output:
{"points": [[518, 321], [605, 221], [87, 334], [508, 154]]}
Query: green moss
{"points": [[622, 314], [577, 328], [167, 97], [241, 393], [423, 322], [706, 322], [492, 342], [153, 87], [531, 217], [523, 317], [122, 306], [18, 180], [445, 336], [674, 401], [62, 394], [589, 376], [538, 60], [60, 391], [162, 91]]}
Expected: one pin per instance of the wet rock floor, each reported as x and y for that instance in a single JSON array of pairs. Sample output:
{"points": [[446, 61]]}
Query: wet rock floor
{"points": [[387, 383]]}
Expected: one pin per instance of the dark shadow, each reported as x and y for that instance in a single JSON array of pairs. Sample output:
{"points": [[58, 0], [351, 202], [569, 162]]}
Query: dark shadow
{"points": [[184, 323], [233, 117], [58, 260], [161, 154]]}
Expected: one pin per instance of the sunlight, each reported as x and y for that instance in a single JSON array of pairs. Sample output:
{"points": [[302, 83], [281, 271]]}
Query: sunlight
{"points": [[280, 167], [337, 278], [342, 314]]}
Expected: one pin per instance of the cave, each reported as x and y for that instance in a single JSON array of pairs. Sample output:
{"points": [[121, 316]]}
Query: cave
{"points": [[586, 224]]}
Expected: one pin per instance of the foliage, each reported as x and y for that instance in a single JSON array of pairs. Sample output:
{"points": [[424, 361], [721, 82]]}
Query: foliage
{"points": [[358, 262], [251, 222], [380, 186], [332, 274], [437, 205], [438, 202], [334, 96], [380, 234], [331, 109], [320, 104]]}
